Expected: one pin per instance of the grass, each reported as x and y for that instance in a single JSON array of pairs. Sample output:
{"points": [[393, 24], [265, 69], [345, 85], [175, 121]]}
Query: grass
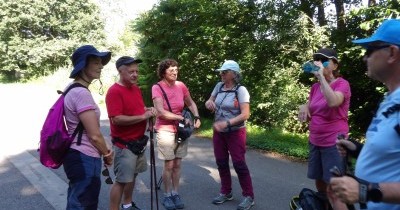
{"points": [[272, 140]]}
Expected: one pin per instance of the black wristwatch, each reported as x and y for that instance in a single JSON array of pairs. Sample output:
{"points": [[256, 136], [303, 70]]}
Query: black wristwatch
{"points": [[374, 193]]}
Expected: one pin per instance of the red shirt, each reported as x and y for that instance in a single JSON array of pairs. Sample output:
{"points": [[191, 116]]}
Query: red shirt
{"points": [[121, 100]]}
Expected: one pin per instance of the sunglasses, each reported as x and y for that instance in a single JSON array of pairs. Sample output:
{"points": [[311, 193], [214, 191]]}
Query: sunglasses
{"points": [[322, 59], [372, 49], [106, 173], [224, 71]]}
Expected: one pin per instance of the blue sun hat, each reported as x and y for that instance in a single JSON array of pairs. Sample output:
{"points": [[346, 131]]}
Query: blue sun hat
{"points": [[229, 65], [80, 55], [388, 32]]}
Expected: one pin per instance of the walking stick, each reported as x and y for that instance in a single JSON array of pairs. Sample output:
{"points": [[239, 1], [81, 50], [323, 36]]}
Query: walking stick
{"points": [[153, 176], [346, 166]]}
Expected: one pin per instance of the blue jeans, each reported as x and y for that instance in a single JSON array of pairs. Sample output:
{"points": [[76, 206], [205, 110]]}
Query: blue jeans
{"points": [[83, 173]]}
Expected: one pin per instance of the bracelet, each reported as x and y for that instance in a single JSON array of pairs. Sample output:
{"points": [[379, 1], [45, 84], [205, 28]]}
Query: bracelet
{"points": [[228, 124], [109, 153], [196, 117]]}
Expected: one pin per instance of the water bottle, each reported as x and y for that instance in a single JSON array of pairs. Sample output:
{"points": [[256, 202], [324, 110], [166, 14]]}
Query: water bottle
{"points": [[309, 66]]}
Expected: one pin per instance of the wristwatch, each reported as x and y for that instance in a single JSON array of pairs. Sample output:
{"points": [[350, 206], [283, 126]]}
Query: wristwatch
{"points": [[374, 193]]}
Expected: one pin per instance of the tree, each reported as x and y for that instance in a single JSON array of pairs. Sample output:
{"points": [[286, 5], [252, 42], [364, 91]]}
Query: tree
{"points": [[270, 40], [38, 36]]}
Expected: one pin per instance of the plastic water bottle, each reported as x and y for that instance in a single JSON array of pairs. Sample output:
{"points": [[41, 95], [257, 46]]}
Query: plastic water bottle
{"points": [[309, 66]]}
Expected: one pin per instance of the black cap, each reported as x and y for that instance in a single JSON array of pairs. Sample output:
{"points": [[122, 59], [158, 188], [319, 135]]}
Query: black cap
{"points": [[124, 60], [327, 53]]}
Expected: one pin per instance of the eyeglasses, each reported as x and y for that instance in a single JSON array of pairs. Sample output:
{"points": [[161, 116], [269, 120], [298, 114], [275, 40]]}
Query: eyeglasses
{"points": [[106, 173], [371, 49], [173, 70]]}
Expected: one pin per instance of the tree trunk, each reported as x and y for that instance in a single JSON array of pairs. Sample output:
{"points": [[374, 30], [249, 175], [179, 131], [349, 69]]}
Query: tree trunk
{"points": [[371, 3], [321, 13], [340, 15]]}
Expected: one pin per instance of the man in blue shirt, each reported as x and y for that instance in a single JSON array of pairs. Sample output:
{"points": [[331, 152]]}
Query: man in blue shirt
{"points": [[378, 164]]}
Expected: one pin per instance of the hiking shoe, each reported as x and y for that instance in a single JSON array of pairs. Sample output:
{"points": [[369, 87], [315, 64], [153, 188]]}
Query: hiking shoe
{"points": [[221, 198], [133, 207], [178, 201], [168, 203], [246, 204]]}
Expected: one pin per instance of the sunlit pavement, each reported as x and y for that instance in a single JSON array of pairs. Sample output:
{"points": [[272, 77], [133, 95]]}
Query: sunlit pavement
{"points": [[26, 184]]}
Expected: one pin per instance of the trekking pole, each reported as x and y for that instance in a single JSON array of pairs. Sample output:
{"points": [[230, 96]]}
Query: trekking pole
{"points": [[346, 166], [153, 175]]}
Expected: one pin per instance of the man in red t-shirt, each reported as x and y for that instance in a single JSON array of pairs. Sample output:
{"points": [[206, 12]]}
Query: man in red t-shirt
{"points": [[128, 119]]}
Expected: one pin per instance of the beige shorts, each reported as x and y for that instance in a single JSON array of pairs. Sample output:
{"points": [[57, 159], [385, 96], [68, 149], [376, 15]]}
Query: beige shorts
{"points": [[127, 164], [166, 146]]}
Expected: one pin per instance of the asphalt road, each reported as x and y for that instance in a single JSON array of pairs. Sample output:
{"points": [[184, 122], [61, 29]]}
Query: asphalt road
{"points": [[26, 184]]}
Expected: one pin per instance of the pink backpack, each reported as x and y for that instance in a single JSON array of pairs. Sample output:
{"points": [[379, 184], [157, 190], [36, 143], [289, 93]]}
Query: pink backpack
{"points": [[54, 139]]}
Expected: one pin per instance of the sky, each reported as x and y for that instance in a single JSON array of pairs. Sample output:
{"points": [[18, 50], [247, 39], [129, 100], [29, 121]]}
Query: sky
{"points": [[119, 12]]}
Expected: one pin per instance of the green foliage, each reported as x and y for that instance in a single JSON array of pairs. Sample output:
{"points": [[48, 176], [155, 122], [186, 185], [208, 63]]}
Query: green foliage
{"points": [[269, 43], [272, 140], [366, 93], [38, 36], [270, 40]]}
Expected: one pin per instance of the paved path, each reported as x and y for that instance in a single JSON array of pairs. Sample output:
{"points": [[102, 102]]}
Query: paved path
{"points": [[26, 184]]}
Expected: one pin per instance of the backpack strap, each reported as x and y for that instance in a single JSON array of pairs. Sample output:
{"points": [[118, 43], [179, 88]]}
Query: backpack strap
{"points": [[165, 96], [79, 128], [228, 91]]}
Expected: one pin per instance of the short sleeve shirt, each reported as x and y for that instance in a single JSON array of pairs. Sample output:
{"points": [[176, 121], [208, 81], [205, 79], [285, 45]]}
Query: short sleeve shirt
{"points": [[77, 101], [327, 122], [228, 103], [121, 100], [379, 159], [176, 95]]}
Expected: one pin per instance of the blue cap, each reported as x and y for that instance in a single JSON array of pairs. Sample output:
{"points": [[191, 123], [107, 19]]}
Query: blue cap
{"points": [[125, 60], [229, 65], [388, 31], [79, 58]]}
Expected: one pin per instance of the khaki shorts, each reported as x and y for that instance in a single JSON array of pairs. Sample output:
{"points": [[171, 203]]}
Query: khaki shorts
{"points": [[166, 145], [127, 164]]}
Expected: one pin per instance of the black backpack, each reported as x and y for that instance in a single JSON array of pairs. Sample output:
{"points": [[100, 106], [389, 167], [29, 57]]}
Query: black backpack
{"points": [[310, 200]]}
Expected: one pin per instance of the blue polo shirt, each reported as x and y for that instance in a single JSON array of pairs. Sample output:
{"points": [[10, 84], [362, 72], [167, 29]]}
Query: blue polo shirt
{"points": [[379, 160]]}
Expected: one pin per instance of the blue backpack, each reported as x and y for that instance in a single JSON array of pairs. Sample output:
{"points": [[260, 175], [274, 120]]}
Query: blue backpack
{"points": [[54, 139]]}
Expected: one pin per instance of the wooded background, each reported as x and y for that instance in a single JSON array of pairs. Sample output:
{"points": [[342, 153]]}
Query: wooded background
{"points": [[270, 39]]}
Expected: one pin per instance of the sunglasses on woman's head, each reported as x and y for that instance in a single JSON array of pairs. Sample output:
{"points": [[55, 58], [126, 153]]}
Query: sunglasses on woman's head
{"points": [[106, 173]]}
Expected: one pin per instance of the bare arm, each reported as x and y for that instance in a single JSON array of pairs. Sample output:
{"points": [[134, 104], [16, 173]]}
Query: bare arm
{"points": [[347, 189], [130, 120], [244, 115], [333, 98], [304, 112], [210, 104], [91, 124], [391, 192], [193, 108], [161, 112]]}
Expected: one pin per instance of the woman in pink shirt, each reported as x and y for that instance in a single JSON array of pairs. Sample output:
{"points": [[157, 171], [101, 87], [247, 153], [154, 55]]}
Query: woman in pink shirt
{"points": [[327, 112], [169, 149], [82, 164]]}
